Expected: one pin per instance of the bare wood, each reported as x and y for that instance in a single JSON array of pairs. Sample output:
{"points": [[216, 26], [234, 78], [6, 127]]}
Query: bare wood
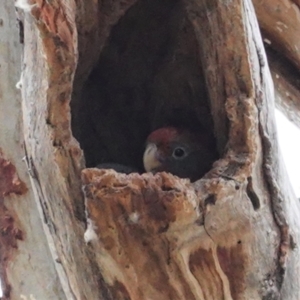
{"points": [[226, 258], [50, 57], [279, 21], [50, 146], [260, 90], [27, 268], [142, 222], [231, 235], [287, 92], [280, 25]]}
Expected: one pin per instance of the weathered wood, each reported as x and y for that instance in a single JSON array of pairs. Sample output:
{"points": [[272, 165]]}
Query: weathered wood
{"points": [[27, 267], [287, 87], [49, 57], [222, 251], [280, 25], [140, 228], [231, 235]]}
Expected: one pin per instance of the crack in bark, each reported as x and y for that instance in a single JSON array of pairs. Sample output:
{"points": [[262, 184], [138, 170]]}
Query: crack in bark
{"points": [[268, 173], [252, 194], [272, 186]]}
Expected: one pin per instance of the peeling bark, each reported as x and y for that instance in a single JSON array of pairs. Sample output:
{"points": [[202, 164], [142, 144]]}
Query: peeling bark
{"points": [[9, 232], [28, 270], [140, 222]]}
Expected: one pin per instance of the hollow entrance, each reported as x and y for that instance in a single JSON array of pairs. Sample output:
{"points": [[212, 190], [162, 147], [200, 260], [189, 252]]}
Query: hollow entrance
{"points": [[149, 75]]}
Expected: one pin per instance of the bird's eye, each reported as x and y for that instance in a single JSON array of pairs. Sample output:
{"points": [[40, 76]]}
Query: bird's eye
{"points": [[178, 153]]}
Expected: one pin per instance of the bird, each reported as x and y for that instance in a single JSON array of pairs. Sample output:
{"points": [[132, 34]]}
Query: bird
{"points": [[180, 152]]}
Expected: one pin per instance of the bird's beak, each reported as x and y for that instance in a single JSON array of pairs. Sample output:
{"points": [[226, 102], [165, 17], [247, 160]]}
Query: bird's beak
{"points": [[151, 161]]}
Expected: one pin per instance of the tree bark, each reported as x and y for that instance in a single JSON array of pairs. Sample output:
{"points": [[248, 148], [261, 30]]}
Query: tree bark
{"points": [[68, 232], [27, 267], [279, 23]]}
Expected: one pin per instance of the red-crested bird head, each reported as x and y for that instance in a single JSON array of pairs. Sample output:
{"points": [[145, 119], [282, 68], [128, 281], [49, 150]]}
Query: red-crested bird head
{"points": [[180, 152]]}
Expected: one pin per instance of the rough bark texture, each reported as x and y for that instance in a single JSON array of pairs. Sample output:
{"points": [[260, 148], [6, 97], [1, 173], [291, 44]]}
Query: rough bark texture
{"points": [[27, 267], [129, 67]]}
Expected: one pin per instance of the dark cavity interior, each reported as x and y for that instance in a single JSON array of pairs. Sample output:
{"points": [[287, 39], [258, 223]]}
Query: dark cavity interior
{"points": [[148, 75]]}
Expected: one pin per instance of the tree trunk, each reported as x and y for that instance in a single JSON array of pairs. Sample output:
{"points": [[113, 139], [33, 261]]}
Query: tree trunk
{"points": [[96, 79], [27, 267]]}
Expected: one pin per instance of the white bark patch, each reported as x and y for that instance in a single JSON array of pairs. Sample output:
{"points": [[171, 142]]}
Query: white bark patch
{"points": [[24, 5], [31, 297], [19, 84], [90, 234], [134, 217]]}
